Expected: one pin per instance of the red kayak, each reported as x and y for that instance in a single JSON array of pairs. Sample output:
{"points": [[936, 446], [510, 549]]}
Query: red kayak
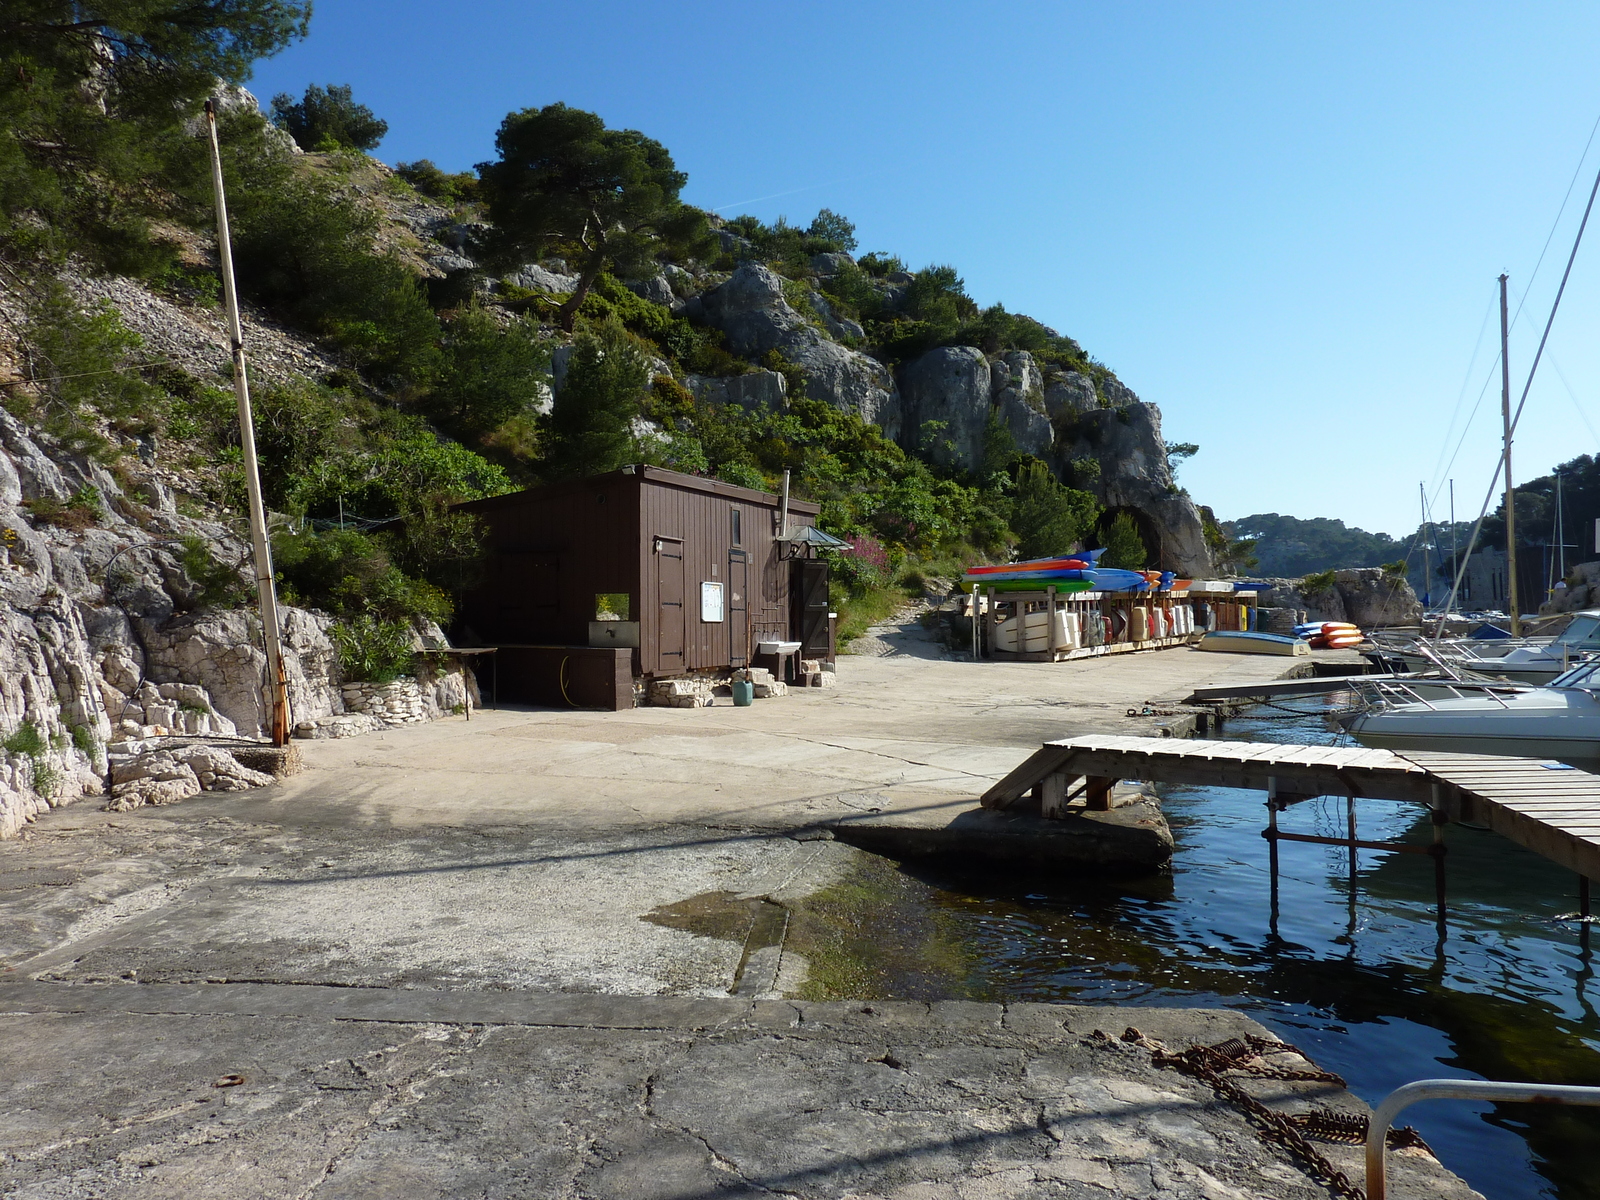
{"points": [[1038, 564]]}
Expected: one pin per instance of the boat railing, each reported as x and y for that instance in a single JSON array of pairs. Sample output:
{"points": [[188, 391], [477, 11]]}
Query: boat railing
{"points": [[1402, 691], [1456, 1089]]}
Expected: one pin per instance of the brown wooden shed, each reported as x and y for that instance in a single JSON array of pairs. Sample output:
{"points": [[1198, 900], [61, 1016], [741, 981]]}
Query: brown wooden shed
{"points": [[694, 567]]}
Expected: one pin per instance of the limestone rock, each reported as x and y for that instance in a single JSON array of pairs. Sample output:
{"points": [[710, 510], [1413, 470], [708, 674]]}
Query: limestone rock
{"points": [[831, 263], [946, 397], [1364, 596], [540, 279], [750, 308], [1374, 600], [1017, 388], [1135, 475], [1070, 394], [754, 390], [837, 325], [169, 775], [1582, 591], [656, 290], [222, 651]]}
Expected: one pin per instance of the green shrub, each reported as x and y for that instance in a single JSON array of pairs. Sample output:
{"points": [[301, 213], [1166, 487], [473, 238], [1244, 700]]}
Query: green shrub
{"points": [[373, 650], [328, 119], [82, 510], [84, 739], [351, 574], [490, 372], [81, 369], [458, 188], [218, 584], [828, 226], [26, 739], [1123, 546], [880, 264], [307, 252], [1049, 518], [1317, 583], [601, 395]]}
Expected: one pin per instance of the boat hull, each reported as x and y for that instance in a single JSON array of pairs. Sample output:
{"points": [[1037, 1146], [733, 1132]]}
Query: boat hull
{"points": [[1544, 723]]}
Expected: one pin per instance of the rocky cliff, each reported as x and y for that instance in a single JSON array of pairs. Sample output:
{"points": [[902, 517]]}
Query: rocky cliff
{"points": [[1366, 596]]}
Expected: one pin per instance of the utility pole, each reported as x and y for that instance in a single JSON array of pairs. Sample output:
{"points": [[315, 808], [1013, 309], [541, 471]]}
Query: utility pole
{"points": [[1511, 495], [277, 688]]}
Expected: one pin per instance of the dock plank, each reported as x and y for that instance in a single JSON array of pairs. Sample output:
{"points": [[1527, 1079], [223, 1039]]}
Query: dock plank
{"points": [[1554, 813]]}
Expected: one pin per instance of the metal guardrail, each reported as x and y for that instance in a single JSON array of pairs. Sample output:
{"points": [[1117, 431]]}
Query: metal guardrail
{"points": [[1456, 1089]]}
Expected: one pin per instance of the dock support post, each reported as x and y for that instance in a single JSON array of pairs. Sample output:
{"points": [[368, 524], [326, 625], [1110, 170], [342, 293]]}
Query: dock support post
{"points": [[1583, 895], [1440, 818], [1053, 795], [1350, 823], [1271, 834], [1097, 793]]}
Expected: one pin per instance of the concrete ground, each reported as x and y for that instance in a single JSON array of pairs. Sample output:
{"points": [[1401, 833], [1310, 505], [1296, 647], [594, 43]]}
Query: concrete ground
{"points": [[547, 953]]}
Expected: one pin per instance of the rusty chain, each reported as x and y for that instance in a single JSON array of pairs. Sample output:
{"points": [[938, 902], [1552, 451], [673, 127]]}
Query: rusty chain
{"points": [[1245, 1055]]}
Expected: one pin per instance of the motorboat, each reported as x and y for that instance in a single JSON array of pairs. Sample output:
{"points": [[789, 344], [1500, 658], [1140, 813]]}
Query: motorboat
{"points": [[1560, 721], [1521, 660]]}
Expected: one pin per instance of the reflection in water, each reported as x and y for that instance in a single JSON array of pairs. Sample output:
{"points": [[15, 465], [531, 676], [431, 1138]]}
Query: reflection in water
{"points": [[1358, 976]]}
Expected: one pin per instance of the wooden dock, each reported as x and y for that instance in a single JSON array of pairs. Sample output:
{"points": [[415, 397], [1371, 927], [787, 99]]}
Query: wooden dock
{"points": [[1549, 809]]}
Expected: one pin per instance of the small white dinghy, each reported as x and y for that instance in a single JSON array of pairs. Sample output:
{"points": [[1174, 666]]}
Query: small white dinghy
{"points": [[1238, 642]]}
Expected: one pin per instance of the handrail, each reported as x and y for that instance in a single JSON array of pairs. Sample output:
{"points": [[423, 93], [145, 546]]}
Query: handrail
{"points": [[1457, 1089]]}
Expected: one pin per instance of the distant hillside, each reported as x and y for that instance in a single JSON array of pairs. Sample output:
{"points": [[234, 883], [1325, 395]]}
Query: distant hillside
{"points": [[1290, 547]]}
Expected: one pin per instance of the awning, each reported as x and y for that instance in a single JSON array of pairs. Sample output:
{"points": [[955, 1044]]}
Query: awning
{"points": [[810, 535]]}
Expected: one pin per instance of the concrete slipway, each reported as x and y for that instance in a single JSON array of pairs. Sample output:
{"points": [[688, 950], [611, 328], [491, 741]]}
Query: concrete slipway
{"points": [[553, 954]]}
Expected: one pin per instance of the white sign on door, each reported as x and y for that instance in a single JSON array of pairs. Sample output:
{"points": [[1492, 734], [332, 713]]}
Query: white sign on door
{"points": [[711, 601]]}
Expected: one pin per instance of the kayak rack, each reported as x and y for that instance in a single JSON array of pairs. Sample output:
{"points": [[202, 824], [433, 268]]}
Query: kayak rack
{"points": [[1225, 611]]}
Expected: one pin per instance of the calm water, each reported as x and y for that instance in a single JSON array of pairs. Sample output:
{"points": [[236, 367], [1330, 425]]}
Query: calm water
{"points": [[1358, 979]]}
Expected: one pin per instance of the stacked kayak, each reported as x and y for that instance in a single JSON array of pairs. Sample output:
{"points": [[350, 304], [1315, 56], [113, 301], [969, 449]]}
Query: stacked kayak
{"points": [[1330, 635], [1075, 574]]}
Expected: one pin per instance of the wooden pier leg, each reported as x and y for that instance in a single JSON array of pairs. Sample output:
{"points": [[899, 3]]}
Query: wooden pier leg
{"points": [[1271, 834], [1097, 792], [1437, 850], [1053, 791], [1583, 895], [1350, 822]]}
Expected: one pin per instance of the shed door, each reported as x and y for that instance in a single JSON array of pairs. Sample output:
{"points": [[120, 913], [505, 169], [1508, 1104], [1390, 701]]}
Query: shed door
{"points": [[738, 608], [808, 606], [670, 619]]}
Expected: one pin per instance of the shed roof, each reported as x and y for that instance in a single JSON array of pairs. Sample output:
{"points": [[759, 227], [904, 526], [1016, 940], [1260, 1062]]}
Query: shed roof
{"points": [[657, 475]]}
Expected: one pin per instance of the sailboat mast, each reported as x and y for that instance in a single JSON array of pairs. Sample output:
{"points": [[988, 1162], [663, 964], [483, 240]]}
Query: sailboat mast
{"points": [[1455, 550], [1427, 579], [1511, 495]]}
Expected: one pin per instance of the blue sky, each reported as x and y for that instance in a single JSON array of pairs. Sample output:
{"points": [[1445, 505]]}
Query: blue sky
{"points": [[1281, 223]]}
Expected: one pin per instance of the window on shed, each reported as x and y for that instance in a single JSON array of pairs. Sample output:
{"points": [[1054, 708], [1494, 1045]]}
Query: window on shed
{"points": [[613, 606], [736, 517]]}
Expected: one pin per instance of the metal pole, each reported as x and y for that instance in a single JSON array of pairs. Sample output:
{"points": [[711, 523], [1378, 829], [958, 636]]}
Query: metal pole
{"points": [[1427, 580], [783, 531], [277, 688], [1271, 834], [1511, 495], [1561, 535], [1455, 550], [1456, 1089]]}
